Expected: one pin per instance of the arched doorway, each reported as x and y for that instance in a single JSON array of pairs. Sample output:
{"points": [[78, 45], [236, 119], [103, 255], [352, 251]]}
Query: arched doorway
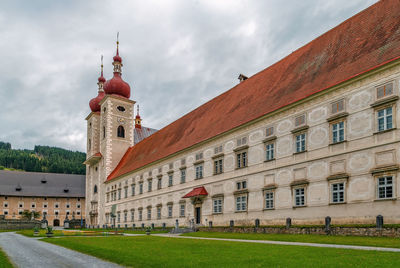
{"points": [[56, 222]]}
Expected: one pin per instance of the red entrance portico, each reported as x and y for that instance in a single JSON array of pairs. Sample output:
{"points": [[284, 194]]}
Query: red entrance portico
{"points": [[196, 196]]}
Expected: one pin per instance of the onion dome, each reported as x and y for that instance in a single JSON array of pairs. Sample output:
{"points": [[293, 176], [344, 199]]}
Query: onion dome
{"points": [[116, 85], [94, 103]]}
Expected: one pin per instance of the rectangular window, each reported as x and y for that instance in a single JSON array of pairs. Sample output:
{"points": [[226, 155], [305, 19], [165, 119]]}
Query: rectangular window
{"points": [[170, 179], [126, 192], [301, 143], [300, 120], [158, 213], [159, 183], [149, 185], [385, 187], [140, 187], [338, 192], [240, 185], [133, 189], [241, 203], [241, 159], [218, 166], [338, 132], [108, 197], [385, 119], [149, 213], [199, 172], [182, 210], [241, 141], [119, 217], [170, 211], [132, 215], [269, 150], [183, 175], [269, 200], [269, 131], [199, 156], [125, 216], [217, 205], [119, 194], [218, 149], [299, 195], [140, 215], [337, 106], [384, 90]]}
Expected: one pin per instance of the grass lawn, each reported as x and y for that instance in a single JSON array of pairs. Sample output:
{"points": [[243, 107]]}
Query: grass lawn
{"points": [[4, 261], [4, 231], [322, 239], [153, 251], [88, 232]]}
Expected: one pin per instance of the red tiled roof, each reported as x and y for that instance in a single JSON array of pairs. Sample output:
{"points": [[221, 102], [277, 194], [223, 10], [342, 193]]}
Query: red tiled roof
{"points": [[196, 192], [364, 42]]}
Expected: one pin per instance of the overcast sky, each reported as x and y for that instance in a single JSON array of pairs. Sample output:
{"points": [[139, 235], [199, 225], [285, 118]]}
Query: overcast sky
{"points": [[176, 54]]}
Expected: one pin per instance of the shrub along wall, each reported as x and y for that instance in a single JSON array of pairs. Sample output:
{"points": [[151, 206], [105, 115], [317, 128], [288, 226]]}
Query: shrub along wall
{"points": [[357, 230]]}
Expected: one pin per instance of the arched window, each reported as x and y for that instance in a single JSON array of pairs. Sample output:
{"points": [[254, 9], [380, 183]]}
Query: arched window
{"points": [[95, 189], [121, 132]]}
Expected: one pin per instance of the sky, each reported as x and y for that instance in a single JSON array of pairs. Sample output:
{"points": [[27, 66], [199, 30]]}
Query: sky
{"points": [[177, 55]]}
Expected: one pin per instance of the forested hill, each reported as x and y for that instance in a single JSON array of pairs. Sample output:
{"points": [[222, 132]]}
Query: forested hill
{"points": [[42, 159]]}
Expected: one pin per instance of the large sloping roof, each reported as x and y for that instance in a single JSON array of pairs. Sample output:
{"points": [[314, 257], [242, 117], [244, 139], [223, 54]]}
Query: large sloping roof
{"points": [[362, 43], [41, 184]]}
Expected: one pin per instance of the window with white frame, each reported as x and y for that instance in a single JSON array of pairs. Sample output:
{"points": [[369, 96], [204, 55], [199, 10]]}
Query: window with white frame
{"points": [[140, 187], [385, 118], [170, 179], [133, 189], [218, 166], [132, 215], [159, 183], [337, 192], [125, 216], [338, 132], [241, 141], [159, 212], [169, 211], [299, 196], [300, 142], [140, 214], [269, 131], [241, 202], [385, 187], [118, 216], [119, 194], [218, 149], [384, 90], [300, 120], [269, 199], [199, 156], [182, 210], [337, 106], [199, 171], [149, 185], [217, 205], [126, 192], [183, 175], [241, 159], [149, 213], [270, 151]]}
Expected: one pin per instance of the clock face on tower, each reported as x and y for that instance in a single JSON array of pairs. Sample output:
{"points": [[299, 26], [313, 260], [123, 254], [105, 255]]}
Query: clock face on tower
{"points": [[121, 120]]}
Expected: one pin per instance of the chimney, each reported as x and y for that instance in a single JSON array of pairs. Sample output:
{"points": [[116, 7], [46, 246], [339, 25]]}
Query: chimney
{"points": [[242, 77]]}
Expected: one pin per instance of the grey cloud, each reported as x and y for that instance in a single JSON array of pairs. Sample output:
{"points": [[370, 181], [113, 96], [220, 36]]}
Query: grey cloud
{"points": [[176, 54]]}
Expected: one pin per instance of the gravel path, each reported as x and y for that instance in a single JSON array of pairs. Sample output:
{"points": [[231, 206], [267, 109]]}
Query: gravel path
{"points": [[286, 243], [27, 252]]}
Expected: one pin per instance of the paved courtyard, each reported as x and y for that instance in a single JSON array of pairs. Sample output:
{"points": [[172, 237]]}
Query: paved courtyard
{"points": [[30, 252]]}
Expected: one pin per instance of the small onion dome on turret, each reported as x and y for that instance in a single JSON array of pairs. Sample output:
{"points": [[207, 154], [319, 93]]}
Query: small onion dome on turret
{"points": [[116, 85], [94, 103]]}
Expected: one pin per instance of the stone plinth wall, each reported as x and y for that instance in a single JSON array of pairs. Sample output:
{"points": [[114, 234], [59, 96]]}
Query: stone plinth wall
{"points": [[18, 224], [344, 231]]}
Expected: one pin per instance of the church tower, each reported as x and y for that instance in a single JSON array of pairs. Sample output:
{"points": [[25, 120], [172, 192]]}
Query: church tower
{"points": [[116, 118]]}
